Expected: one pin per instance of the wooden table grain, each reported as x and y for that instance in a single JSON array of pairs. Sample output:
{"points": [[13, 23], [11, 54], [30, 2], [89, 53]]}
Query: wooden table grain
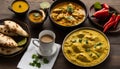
{"points": [[112, 62]]}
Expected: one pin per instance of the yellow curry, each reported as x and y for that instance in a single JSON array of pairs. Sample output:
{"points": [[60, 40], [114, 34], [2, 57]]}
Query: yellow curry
{"points": [[68, 14], [86, 48], [20, 6], [36, 16]]}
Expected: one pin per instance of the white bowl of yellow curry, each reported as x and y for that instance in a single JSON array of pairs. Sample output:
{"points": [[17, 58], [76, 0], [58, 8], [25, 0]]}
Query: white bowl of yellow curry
{"points": [[86, 47], [68, 13]]}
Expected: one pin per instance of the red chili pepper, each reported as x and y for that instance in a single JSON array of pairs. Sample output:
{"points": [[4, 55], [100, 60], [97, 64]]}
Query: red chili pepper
{"points": [[105, 6], [108, 26], [117, 20], [101, 13], [112, 18]]}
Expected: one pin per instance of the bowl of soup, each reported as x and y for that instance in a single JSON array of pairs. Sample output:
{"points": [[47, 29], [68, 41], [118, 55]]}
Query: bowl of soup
{"points": [[86, 47], [68, 13], [37, 17], [19, 7]]}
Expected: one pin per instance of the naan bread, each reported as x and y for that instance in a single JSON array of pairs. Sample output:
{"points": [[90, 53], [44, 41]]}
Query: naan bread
{"points": [[6, 41], [9, 51], [15, 28], [6, 31]]}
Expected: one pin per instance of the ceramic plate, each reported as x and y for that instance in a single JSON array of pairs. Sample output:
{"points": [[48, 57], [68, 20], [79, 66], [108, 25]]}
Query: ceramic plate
{"points": [[99, 23]]}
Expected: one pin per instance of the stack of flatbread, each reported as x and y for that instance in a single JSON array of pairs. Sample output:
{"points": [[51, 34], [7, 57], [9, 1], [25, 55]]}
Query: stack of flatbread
{"points": [[7, 44]]}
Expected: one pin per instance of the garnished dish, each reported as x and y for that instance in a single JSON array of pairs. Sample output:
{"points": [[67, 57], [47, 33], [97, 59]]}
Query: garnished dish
{"points": [[19, 7], [14, 37], [105, 17], [86, 47], [68, 14], [36, 16]]}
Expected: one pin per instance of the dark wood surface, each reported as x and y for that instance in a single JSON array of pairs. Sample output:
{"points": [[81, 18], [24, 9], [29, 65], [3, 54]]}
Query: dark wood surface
{"points": [[112, 62]]}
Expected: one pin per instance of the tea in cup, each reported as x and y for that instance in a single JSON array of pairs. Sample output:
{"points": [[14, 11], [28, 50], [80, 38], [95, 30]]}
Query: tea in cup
{"points": [[46, 42]]}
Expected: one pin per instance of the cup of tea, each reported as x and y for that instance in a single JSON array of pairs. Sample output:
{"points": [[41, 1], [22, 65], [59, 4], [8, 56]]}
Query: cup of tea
{"points": [[45, 42]]}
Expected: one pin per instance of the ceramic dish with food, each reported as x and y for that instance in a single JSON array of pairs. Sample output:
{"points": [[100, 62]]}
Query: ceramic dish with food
{"points": [[99, 22], [19, 7], [37, 17], [86, 47], [14, 37], [68, 13]]}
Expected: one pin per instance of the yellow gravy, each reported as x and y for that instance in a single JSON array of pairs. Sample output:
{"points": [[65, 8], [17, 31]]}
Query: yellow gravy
{"points": [[86, 48], [20, 6], [68, 14]]}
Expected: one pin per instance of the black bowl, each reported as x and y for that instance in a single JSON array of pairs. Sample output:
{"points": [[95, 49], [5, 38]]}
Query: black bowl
{"points": [[19, 13], [61, 1], [37, 24], [24, 47]]}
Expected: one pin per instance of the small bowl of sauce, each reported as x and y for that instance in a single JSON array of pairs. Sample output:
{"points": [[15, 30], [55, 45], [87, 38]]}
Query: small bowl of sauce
{"points": [[19, 7], [36, 17]]}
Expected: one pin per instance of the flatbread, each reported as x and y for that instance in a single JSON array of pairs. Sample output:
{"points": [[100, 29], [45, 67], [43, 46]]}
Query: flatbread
{"points": [[6, 31], [16, 28], [6, 41], [9, 51]]}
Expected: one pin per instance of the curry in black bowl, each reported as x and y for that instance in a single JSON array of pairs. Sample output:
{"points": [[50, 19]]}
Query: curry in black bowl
{"points": [[68, 13]]}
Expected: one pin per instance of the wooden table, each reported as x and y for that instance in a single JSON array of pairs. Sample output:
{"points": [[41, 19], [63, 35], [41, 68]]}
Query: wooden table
{"points": [[112, 62]]}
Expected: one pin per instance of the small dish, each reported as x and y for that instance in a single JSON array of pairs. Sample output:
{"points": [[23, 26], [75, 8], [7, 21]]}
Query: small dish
{"points": [[53, 51], [99, 23], [36, 17], [19, 7]]}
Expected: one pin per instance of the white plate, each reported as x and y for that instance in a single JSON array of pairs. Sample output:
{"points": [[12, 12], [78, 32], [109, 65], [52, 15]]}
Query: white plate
{"points": [[53, 51]]}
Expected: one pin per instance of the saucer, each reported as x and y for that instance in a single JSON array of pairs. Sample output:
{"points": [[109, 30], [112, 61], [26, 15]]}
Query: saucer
{"points": [[54, 49]]}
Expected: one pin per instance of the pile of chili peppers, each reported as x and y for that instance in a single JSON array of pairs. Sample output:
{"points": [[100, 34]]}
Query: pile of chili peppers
{"points": [[103, 13]]}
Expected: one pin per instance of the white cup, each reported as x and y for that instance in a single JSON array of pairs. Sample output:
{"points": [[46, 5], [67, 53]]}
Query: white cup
{"points": [[46, 41]]}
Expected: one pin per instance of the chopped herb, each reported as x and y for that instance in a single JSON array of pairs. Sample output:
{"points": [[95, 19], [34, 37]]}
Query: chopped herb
{"points": [[36, 61], [98, 54], [80, 40], [98, 44], [36, 14], [38, 65], [32, 64], [45, 60], [86, 41], [69, 9], [87, 50], [34, 56]]}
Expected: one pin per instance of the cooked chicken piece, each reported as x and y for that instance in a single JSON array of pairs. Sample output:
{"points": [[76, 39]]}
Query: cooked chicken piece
{"points": [[57, 10]]}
